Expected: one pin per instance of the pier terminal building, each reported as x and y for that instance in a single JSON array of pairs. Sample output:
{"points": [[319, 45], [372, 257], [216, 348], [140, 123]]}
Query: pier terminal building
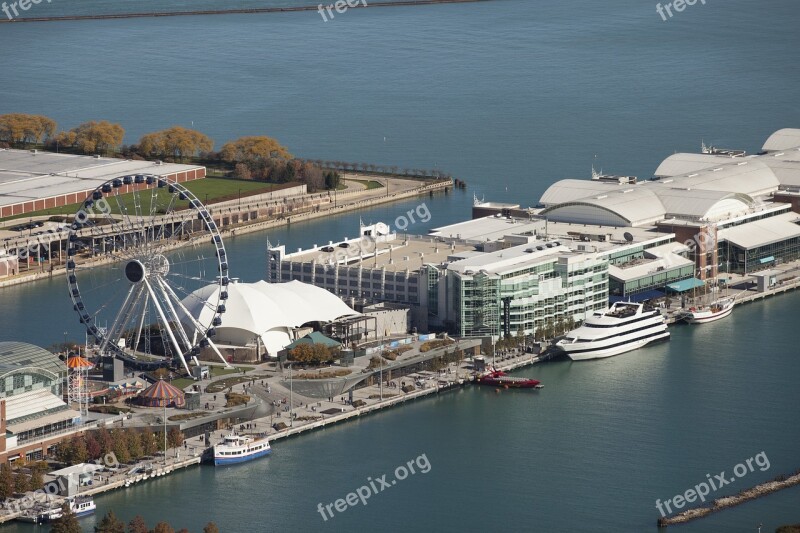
{"points": [[585, 243], [33, 416]]}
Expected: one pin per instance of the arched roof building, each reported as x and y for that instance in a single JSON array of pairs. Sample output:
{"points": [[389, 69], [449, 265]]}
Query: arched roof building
{"points": [[782, 140]]}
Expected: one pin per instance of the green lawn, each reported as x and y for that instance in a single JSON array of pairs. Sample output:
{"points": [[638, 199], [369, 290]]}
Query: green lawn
{"points": [[206, 189], [369, 184]]}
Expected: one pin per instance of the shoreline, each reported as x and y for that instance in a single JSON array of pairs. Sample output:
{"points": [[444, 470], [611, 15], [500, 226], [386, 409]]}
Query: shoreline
{"points": [[241, 11], [241, 228]]}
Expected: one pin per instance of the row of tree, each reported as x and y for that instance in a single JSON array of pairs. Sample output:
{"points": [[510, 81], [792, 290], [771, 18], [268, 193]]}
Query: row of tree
{"points": [[263, 157], [126, 444], [68, 523], [119, 445], [21, 478]]}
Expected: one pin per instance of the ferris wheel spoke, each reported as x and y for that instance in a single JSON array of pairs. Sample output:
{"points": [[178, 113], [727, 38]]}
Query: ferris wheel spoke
{"points": [[199, 329], [190, 294], [176, 320], [165, 320], [137, 338], [116, 324], [131, 230], [164, 217]]}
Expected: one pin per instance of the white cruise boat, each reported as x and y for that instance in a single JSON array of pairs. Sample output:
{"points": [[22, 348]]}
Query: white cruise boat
{"points": [[623, 327], [238, 449], [709, 313], [80, 505]]}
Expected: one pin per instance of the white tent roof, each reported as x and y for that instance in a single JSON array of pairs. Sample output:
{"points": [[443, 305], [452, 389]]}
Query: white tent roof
{"points": [[267, 310]]}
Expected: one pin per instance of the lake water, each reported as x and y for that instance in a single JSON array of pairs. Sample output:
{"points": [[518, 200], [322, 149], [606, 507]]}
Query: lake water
{"points": [[509, 96]]}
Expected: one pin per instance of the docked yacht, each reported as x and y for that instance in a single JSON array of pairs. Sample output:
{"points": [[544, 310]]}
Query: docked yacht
{"points": [[238, 449], [709, 313], [623, 327]]}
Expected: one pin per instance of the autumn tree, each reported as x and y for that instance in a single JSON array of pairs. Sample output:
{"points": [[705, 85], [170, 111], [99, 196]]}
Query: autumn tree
{"points": [[110, 524], [242, 171], [253, 148], [163, 527], [67, 523], [174, 437], [37, 475], [93, 447], [121, 446], [149, 445], [211, 527], [21, 481], [105, 441], [159, 438], [134, 444], [19, 128], [311, 353], [137, 525], [177, 142], [93, 137], [6, 481]]}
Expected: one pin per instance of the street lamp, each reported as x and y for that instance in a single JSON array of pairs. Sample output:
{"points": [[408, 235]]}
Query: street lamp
{"points": [[240, 198], [291, 405], [65, 343]]}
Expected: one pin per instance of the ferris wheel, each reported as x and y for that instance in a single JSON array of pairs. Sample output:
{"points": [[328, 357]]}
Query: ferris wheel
{"points": [[138, 249]]}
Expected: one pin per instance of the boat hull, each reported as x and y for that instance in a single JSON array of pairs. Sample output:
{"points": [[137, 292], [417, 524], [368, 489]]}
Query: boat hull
{"points": [[704, 318], [527, 384], [223, 461], [602, 353]]}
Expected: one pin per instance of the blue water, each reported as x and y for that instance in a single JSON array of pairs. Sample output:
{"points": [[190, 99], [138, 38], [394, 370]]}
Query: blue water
{"points": [[510, 96]]}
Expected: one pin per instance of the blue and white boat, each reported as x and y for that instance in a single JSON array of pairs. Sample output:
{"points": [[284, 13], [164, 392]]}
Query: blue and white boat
{"points": [[80, 505], [238, 449]]}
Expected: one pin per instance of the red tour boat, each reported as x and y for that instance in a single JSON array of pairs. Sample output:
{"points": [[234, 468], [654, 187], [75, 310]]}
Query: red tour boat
{"points": [[498, 378]]}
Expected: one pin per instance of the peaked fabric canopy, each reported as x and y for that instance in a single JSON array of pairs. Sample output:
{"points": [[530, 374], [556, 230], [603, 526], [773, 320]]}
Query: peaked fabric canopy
{"points": [[265, 311], [160, 394], [78, 362]]}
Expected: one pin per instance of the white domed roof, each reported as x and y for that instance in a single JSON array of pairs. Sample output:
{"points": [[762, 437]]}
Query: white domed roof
{"points": [[266, 310]]}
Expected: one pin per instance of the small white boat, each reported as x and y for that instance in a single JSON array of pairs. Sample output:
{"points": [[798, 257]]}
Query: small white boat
{"points": [[238, 449], [709, 313], [80, 505]]}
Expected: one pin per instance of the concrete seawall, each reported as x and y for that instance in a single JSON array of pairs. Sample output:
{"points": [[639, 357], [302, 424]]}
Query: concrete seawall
{"points": [[780, 483]]}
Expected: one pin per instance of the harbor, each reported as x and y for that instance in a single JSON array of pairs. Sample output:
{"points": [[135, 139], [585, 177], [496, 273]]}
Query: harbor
{"points": [[578, 199]]}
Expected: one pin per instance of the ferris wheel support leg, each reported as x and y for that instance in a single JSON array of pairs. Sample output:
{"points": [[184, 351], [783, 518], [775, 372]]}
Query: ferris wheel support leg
{"points": [[171, 308], [197, 326], [116, 324], [166, 325], [141, 324]]}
